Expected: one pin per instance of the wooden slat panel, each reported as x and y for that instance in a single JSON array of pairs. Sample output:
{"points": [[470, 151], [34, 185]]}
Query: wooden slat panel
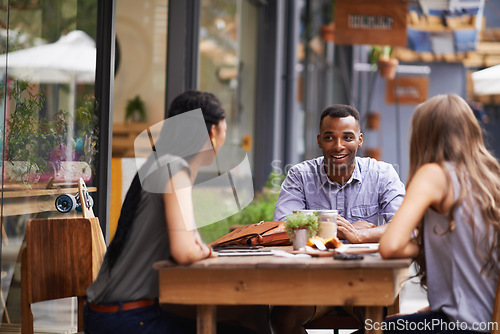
{"points": [[16, 329], [42, 192], [279, 286], [60, 257], [98, 247], [488, 48], [257, 262]]}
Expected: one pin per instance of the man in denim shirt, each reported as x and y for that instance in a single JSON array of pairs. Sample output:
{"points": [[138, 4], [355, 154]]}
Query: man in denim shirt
{"points": [[366, 192]]}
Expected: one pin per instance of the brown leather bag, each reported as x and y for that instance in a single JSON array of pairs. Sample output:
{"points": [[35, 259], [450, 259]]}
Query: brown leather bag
{"points": [[271, 233]]}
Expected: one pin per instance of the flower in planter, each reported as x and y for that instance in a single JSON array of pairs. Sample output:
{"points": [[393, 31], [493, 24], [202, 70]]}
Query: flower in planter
{"points": [[59, 153], [299, 220]]}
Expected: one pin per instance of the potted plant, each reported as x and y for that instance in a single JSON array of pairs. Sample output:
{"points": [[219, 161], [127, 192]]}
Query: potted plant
{"points": [[327, 30], [38, 149], [387, 65], [373, 120], [26, 136], [135, 110], [300, 227]]}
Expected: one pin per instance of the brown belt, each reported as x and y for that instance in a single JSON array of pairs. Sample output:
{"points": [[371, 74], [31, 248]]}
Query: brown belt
{"points": [[124, 306]]}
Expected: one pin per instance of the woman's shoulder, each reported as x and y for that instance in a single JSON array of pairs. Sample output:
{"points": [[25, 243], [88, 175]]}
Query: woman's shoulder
{"points": [[156, 172], [431, 176], [433, 179], [432, 167]]}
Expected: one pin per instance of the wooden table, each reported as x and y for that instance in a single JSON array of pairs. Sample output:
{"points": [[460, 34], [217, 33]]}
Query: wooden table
{"points": [[256, 280]]}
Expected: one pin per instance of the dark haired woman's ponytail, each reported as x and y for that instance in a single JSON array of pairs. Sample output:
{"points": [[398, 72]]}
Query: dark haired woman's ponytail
{"points": [[127, 216]]}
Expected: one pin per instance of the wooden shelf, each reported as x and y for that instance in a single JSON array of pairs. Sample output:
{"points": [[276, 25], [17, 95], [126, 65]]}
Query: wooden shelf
{"points": [[18, 201], [124, 135]]}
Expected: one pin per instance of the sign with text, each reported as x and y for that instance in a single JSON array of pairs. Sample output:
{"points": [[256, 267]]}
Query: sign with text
{"points": [[407, 90], [371, 22]]}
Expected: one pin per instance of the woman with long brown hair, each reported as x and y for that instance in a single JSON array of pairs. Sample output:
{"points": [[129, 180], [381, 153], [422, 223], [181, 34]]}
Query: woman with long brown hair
{"points": [[453, 200]]}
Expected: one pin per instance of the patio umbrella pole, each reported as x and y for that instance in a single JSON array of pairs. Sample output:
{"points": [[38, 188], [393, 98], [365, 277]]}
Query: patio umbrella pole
{"points": [[71, 119]]}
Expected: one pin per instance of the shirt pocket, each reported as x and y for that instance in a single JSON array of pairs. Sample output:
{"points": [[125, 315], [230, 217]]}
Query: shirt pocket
{"points": [[317, 205], [365, 212]]}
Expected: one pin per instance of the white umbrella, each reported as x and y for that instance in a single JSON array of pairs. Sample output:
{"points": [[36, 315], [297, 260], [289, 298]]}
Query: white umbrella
{"points": [[487, 81], [71, 60]]}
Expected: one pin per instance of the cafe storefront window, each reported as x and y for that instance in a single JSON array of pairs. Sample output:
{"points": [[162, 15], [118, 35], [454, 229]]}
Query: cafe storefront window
{"points": [[228, 62], [49, 126]]}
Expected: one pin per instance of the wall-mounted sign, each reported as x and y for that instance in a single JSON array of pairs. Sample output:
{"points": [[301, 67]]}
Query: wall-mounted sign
{"points": [[371, 22], [407, 90]]}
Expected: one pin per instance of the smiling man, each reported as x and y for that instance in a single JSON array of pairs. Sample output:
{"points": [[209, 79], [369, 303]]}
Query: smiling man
{"points": [[366, 192]]}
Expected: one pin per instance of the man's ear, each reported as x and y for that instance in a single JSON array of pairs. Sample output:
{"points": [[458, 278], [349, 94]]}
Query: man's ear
{"points": [[360, 140], [319, 141]]}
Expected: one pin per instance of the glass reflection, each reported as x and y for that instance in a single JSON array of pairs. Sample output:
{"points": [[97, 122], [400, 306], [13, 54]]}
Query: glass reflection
{"points": [[47, 64]]}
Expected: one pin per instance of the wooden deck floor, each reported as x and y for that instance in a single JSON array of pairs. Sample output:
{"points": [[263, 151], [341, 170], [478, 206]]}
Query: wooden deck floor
{"points": [[16, 328]]}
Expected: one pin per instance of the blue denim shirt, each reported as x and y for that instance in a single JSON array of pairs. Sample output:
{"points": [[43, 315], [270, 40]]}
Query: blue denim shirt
{"points": [[373, 193]]}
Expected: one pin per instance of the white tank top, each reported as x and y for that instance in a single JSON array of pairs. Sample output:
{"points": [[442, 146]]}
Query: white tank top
{"points": [[455, 283]]}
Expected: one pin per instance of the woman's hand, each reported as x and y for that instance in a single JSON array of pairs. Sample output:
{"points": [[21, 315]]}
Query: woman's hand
{"points": [[203, 248]]}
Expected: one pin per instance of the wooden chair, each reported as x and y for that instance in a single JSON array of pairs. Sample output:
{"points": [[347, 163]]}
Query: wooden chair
{"points": [[61, 259], [335, 322], [344, 322], [338, 322]]}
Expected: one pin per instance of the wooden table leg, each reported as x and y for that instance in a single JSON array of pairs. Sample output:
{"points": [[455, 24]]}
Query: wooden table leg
{"points": [[394, 308], [374, 317], [206, 319]]}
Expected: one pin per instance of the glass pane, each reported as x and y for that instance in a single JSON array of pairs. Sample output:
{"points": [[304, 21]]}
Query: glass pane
{"points": [[47, 63], [139, 94], [139, 90], [228, 46], [315, 56], [227, 68]]}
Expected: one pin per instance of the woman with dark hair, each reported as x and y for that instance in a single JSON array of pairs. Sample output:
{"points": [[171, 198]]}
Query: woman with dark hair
{"points": [[452, 199], [157, 223]]}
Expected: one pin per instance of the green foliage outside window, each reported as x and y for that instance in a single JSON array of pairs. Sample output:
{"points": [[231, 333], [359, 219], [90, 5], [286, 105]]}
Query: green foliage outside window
{"points": [[30, 137], [260, 209], [42, 144]]}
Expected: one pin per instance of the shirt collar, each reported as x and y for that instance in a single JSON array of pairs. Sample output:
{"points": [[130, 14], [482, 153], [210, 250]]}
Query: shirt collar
{"points": [[356, 174]]}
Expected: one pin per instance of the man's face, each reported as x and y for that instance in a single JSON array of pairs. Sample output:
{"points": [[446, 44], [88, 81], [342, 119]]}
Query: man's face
{"points": [[339, 139]]}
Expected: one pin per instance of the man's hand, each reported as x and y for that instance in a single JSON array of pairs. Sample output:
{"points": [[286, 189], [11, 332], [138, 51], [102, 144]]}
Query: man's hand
{"points": [[358, 232], [360, 224]]}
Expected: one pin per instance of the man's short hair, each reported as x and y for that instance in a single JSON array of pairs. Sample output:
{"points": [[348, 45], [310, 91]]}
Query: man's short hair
{"points": [[338, 111]]}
